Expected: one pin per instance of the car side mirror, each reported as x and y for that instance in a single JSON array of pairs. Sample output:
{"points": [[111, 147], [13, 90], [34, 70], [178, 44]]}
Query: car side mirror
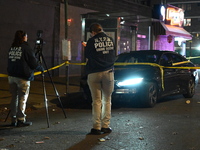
{"points": [[166, 63]]}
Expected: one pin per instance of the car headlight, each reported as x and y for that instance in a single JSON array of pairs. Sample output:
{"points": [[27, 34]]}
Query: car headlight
{"points": [[130, 82], [195, 73]]}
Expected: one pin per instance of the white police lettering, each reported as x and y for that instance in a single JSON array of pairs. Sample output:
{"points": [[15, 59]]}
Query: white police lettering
{"points": [[103, 44], [15, 53]]}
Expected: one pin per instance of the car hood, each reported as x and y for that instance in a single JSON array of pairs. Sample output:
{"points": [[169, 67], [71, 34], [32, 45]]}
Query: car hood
{"points": [[137, 71]]}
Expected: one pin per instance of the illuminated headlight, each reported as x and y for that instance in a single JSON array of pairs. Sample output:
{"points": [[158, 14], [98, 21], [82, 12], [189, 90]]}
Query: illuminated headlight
{"points": [[130, 82], [195, 73]]}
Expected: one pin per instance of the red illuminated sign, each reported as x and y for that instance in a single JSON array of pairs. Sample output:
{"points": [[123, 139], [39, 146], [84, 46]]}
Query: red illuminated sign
{"points": [[175, 16]]}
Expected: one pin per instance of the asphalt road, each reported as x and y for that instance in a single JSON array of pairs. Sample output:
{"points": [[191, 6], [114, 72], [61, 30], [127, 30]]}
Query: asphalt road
{"points": [[171, 125]]}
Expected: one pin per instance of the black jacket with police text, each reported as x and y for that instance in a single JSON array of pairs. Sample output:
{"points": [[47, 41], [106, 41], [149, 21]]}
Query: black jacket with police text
{"points": [[100, 52], [22, 62]]}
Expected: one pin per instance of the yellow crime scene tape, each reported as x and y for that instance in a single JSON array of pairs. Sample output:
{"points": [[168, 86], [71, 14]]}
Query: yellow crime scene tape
{"points": [[193, 57], [124, 64]]}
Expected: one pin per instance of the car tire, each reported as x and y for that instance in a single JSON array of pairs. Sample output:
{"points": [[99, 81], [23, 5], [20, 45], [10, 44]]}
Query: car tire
{"points": [[149, 95], [190, 89]]}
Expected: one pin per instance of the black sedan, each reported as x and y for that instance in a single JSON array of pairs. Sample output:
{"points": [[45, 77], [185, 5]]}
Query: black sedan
{"points": [[147, 75], [151, 74]]}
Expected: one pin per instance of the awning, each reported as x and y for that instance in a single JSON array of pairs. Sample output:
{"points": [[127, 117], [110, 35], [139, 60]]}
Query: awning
{"points": [[164, 29]]}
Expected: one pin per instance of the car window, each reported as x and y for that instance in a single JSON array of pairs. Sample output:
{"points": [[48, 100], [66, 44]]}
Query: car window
{"points": [[121, 58], [127, 58], [176, 58], [165, 60], [138, 58], [152, 58], [169, 58], [132, 60]]}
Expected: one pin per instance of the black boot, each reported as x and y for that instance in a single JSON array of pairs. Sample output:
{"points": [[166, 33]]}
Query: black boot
{"points": [[106, 130], [23, 123]]}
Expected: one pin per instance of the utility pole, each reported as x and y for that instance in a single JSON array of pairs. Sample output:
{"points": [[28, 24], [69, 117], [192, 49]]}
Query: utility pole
{"points": [[66, 36], [66, 17]]}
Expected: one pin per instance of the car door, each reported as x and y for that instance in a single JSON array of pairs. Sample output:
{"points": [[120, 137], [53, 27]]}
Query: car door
{"points": [[170, 74], [183, 74]]}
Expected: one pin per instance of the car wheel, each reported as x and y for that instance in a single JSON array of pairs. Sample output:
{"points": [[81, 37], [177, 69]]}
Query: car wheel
{"points": [[149, 95], [190, 89]]}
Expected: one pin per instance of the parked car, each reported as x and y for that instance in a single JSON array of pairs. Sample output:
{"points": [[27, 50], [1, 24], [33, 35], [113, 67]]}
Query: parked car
{"points": [[140, 75]]}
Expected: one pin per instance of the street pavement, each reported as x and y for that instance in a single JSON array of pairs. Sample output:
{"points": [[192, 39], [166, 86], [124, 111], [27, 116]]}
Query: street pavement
{"points": [[170, 125]]}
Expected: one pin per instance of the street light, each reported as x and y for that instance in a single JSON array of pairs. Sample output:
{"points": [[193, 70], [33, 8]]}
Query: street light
{"points": [[198, 47]]}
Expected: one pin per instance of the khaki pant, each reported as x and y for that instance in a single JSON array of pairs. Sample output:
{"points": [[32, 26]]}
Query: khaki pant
{"points": [[19, 88], [101, 85]]}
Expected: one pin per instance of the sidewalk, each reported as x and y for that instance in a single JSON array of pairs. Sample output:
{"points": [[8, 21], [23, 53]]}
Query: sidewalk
{"points": [[66, 131], [36, 96]]}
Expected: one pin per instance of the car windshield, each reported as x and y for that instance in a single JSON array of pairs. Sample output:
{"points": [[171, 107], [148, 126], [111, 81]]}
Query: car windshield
{"points": [[138, 58]]}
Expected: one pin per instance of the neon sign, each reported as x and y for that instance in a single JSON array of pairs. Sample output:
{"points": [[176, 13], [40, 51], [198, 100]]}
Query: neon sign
{"points": [[162, 12], [175, 16]]}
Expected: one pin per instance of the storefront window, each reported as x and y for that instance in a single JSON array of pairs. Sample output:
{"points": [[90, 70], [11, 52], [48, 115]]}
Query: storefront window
{"points": [[189, 7], [187, 22]]}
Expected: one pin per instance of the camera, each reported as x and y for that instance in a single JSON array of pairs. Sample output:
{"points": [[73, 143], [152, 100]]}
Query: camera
{"points": [[39, 42], [39, 35]]}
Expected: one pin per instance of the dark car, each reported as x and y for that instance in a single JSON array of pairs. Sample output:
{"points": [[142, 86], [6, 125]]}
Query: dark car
{"points": [[148, 75]]}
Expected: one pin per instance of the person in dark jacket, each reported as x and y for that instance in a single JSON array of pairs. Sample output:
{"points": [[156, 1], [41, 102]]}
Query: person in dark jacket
{"points": [[100, 58], [21, 65]]}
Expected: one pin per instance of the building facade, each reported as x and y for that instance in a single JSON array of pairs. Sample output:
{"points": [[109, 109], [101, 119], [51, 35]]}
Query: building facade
{"points": [[191, 24], [134, 30], [168, 28]]}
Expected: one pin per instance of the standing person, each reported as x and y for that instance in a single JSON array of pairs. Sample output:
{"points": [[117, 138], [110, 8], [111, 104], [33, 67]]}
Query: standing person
{"points": [[100, 58], [21, 65]]}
